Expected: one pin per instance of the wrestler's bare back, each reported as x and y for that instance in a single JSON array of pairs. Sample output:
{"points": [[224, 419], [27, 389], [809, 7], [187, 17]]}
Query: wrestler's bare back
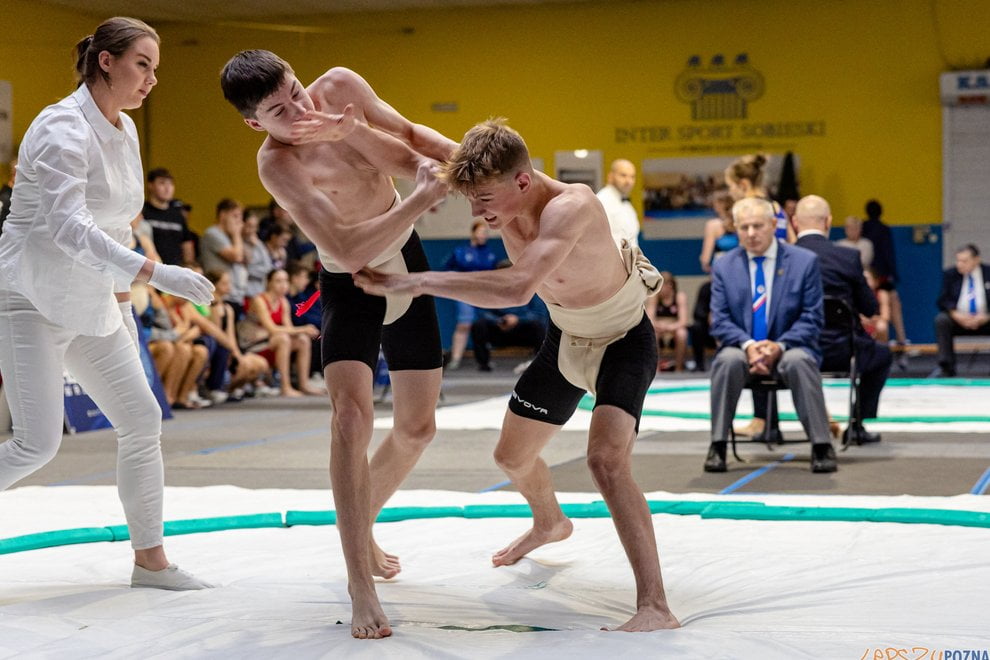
{"points": [[592, 271]]}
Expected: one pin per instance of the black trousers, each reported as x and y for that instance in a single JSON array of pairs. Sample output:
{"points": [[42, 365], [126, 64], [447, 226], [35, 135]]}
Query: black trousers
{"points": [[945, 330], [486, 334]]}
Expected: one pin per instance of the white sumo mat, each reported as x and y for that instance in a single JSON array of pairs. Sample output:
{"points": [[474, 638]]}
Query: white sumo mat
{"points": [[742, 588], [916, 406]]}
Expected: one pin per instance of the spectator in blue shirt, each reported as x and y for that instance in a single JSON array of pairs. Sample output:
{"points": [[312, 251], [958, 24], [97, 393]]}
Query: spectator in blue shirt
{"points": [[476, 255]]}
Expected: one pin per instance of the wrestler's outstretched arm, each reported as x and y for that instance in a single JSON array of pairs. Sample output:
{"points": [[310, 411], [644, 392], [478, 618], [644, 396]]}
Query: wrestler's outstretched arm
{"points": [[342, 83], [351, 246], [561, 225]]}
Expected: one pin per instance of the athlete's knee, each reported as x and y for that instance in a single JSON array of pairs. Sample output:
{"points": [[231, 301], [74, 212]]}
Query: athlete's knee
{"points": [[415, 433], [607, 464], [511, 460], [351, 415]]}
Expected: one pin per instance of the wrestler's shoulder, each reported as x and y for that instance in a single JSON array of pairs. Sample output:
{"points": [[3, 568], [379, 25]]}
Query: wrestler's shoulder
{"points": [[572, 198], [278, 160], [339, 81]]}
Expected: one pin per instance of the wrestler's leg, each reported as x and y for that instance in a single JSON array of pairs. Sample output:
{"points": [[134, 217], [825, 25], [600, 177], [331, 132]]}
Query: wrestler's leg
{"points": [[518, 454], [350, 388], [610, 442], [414, 396]]}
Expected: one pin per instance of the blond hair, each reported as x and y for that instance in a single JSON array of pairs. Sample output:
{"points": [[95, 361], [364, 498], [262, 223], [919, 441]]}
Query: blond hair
{"points": [[490, 150]]}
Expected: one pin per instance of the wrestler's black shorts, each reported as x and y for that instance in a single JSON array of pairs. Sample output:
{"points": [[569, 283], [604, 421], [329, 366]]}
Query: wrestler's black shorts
{"points": [[627, 369], [352, 322]]}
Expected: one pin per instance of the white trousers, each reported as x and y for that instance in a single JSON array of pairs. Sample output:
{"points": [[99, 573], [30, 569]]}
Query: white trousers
{"points": [[33, 351]]}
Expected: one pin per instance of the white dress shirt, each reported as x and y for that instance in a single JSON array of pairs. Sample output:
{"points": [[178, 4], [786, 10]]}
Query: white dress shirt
{"points": [[962, 304], [79, 185], [768, 270], [622, 218]]}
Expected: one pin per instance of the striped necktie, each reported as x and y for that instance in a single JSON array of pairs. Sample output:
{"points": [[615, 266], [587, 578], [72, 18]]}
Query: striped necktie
{"points": [[971, 294], [759, 301]]}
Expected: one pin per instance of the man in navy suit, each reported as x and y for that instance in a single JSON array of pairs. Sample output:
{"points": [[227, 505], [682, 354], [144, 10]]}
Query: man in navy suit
{"points": [[842, 277], [767, 316], [964, 303]]}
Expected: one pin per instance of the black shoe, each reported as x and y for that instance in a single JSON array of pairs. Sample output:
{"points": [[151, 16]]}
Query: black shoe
{"points": [[942, 372], [485, 367], [716, 457], [823, 457], [859, 436]]}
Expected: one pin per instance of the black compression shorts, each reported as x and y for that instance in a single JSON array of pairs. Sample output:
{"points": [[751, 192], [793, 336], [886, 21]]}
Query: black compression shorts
{"points": [[627, 369], [352, 322]]}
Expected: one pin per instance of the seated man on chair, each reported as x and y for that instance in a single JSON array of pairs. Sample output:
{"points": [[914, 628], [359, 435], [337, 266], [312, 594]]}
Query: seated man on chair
{"points": [[842, 277], [767, 316], [963, 304], [523, 325]]}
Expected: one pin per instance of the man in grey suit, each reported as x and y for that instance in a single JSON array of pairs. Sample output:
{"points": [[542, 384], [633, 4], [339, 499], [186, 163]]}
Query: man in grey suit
{"points": [[767, 316]]}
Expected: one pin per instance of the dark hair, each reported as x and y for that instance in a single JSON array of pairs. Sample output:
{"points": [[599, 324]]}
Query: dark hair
{"points": [[271, 274], [748, 168], [214, 275], [668, 278], [227, 204], [159, 173], [969, 247], [873, 210], [293, 268], [251, 76], [276, 230], [114, 35]]}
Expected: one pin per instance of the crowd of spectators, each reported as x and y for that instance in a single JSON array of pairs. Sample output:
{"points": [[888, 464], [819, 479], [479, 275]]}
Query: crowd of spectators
{"points": [[247, 342]]}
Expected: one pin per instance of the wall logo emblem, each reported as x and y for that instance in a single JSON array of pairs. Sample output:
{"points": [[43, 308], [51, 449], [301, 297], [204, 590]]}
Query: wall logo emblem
{"points": [[720, 90]]}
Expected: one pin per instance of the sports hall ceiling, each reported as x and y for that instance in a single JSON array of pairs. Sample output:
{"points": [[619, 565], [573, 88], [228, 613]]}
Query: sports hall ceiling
{"points": [[263, 10]]}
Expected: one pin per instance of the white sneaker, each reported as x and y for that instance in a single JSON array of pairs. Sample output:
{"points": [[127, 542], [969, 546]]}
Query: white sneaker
{"points": [[218, 396], [171, 578], [266, 391], [196, 401]]}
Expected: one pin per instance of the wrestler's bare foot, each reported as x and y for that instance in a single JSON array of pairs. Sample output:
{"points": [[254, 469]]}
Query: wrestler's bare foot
{"points": [[291, 393], [383, 564], [649, 618], [531, 540], [368, 620]]}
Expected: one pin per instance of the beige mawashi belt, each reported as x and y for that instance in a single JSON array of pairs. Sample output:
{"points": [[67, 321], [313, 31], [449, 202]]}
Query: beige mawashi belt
{"points": [[586, 333]]}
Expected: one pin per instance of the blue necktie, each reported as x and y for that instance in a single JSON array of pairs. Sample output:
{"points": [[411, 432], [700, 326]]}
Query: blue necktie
{"points": [[759, 302], [971, 294]]}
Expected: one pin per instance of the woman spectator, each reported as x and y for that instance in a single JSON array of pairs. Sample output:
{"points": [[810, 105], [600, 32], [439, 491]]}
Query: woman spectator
{"points": [[878, 326], [244, 369], [269, 332], [720, 232], [192, 353], [669, 312]]}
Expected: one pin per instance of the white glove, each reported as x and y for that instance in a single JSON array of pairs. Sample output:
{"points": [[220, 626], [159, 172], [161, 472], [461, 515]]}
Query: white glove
{"points": [[125, 311], [182, 282]]}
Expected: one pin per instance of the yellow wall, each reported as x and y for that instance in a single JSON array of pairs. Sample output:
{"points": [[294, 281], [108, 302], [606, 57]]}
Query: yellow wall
{"points": [[568, 75]]}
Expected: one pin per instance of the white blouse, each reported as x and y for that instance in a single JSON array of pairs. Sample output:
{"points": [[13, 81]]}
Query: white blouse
{"points": [[79, 185]]}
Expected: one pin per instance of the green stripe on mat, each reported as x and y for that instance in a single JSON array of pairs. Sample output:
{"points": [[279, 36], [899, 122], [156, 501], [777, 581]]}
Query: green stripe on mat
{"points": [[54, 538], [587, 402], [707, 509]]}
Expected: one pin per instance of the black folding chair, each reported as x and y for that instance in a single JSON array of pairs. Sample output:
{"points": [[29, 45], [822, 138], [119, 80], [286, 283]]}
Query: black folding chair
{"points": [[841, 317]]}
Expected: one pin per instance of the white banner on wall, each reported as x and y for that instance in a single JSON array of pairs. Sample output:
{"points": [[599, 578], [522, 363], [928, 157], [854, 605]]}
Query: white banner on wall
{"points": [[6, 121]]}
